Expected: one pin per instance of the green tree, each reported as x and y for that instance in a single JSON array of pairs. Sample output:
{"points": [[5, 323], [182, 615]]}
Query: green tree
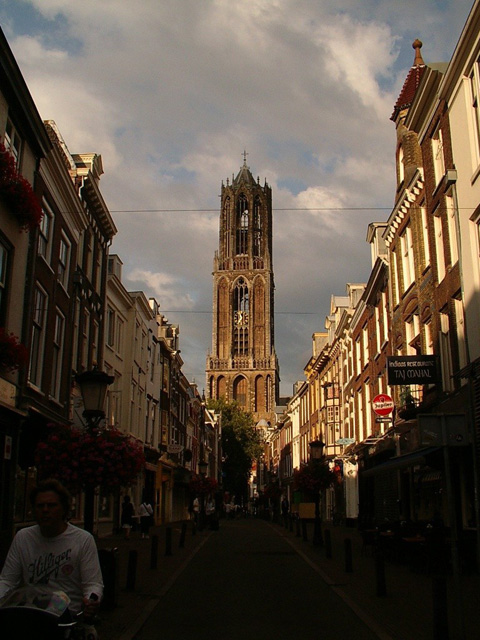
{"points": [[241, 444]]}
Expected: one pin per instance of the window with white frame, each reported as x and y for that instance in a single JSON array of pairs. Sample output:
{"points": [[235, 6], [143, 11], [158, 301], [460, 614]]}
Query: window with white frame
{"points": [[401, 167], [366, 350], [460, 331], [428, 336], [445, 352], [425, 234], [396, 278], [358, 357], [452, 229], [408, 264], [110, 337], [57, 356], [40, 302], [438, 155], [64, 261], [385, 317], [85, 338], [474, 89], [4, 266], [94, 341], [45, 233], [119, 325], [412, 331], [13, 142], [439, 246]]}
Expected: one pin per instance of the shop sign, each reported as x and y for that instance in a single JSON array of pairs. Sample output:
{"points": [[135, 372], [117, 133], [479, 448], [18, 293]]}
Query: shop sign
{"points": [[404, 370]]}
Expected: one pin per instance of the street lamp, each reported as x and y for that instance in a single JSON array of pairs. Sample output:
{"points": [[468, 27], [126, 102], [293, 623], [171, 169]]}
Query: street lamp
{"points": [[316, 456], [93, 387]]}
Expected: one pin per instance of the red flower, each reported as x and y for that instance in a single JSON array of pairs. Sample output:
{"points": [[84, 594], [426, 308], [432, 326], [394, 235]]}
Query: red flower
{"points": [[202, 486], [17, 193], [13, 354], [96, 456], [313, 477]]}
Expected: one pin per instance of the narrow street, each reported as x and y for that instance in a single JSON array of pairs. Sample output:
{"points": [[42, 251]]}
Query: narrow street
{"points": [[247, 579]]}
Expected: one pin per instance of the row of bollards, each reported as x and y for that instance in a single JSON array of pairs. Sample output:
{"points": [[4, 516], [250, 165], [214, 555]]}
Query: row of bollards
{"points": [[439, 584], [154, 549]]}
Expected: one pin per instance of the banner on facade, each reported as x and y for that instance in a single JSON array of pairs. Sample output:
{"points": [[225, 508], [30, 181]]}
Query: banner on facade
{"points": [[403, 370]]}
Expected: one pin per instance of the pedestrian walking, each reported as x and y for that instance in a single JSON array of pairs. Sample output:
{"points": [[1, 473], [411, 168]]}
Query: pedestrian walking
{"points": [[128, 512], [210, 512], [196, 509], [145, 512]]}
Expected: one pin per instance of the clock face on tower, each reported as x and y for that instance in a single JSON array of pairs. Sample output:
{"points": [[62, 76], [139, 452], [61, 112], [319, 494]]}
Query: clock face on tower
{"points": [[241, 318]]}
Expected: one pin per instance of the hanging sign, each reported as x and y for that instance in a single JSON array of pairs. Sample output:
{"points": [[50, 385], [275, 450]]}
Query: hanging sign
{"points": [[412, 370], [382, 404]]}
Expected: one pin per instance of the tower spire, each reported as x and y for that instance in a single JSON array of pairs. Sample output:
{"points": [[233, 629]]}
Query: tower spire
{"points": [[417, 45]]}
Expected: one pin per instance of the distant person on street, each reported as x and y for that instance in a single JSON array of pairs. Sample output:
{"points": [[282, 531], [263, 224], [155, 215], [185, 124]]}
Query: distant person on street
{"points": [[128, 512], [196, 509], [145, 511]]}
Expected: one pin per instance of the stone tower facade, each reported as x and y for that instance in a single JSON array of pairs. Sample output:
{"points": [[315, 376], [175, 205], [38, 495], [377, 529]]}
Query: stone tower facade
{"points": [[243, 365]]}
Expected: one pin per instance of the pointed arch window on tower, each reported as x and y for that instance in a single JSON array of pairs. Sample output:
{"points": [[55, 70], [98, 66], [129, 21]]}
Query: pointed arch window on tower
{"points": [[257, 228], [242, 225], [226, 226], [241, 309]]}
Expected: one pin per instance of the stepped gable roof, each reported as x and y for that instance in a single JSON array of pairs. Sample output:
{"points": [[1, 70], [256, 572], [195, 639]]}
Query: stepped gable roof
{"points": [[244, 174], [412, 81]]}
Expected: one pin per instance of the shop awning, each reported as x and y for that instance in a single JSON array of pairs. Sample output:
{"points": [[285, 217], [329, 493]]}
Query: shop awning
{"points": [[401, 462]]}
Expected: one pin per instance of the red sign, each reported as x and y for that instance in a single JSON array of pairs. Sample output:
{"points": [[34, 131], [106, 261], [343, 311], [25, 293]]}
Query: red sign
{"points": [[383, 404]]}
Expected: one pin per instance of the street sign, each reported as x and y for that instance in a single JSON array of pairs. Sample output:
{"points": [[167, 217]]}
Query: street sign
{"points": [[382, 404], [174, 448], [345, 441]]}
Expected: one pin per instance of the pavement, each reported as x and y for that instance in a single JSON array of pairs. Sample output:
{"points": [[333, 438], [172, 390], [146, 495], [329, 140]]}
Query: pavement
{"points": [[402, 602]]}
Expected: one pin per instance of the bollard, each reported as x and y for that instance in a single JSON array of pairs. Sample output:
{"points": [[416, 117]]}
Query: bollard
{"points": [[183, 533], [380, 574], [132, 569], [297, 527], [328, 543], [168, 541], [109, 565], [304, 531], [291, 523], [154, 553], [440, 608], [348, 555]]}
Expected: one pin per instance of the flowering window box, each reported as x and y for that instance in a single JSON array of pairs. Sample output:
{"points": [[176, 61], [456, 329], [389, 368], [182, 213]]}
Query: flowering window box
{"points": [[17, 193]]}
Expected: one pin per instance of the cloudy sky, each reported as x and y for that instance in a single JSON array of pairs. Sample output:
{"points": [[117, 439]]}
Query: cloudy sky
{"points": [[171, 92]]}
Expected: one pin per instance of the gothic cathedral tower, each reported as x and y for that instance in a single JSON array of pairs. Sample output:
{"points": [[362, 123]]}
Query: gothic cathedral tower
{"points": [[243, 365]]}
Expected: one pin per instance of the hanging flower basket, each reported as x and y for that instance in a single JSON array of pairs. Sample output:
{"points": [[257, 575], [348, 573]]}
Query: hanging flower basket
{"points": [[313, 477], [273, 491], [202, 486], [104, 458], [13, 354], [18, 194]]}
